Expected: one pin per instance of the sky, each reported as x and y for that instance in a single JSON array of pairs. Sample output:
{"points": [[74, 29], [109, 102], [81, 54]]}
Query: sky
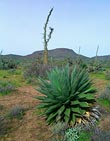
{"points": [[76, 23]]}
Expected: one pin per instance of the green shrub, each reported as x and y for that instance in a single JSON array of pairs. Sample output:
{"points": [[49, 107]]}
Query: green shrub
{"points": [[72, 134], [84, 136], [6, 64], [68, 96], [6, 87]]}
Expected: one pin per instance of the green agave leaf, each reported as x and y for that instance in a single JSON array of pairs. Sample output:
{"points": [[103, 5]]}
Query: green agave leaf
{"points": [[82, 95], [76, 110], [84, 82], [73, 95], [82, 111], [54, 79], [43, 91], [84, 104], [84, 86], [73, 119], [67, 112], [48, 100], [66, 118], [76, 102], [90, 97], [61, 97], [67, 101], [52, 108], [86, 97], [83, 77], [77, 115], [51, 117], [40, 97], [61, 110], [90, 90], [74, 85], [42, 105]]}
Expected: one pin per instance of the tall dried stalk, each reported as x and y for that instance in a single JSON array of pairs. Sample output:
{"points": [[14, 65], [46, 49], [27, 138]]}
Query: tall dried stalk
{"points": [[47, 37]]}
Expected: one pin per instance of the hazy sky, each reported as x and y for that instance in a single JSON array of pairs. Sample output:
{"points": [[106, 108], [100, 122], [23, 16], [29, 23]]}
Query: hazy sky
{"points": [[84, 23]]}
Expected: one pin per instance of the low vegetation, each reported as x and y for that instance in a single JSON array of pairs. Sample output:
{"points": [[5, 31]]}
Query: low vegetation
{"points": [[6, 87], [69, 99], [70, 104], [36, 70], [3, 126], [107, 75], [16, 112], [105, 95], [7, 64], [100, 135]]}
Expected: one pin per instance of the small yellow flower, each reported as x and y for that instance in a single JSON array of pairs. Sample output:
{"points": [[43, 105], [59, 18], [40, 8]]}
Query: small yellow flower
{"points": [[78, 120], [87, 114]]}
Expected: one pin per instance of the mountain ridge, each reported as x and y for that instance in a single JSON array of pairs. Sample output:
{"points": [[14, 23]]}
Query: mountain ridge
{"points": [[58, 53]]}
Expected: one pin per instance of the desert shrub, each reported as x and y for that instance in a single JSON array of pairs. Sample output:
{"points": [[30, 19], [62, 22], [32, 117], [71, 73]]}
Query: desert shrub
{"points": [[62, 132], [68, 96], [3, 125], [72, 134], [105, 94], [6, 87], [81, 63], [94, 67], [100, 135], [107, 75], [6, 64], [84, 136], [14, 72], [58, 131], [59, 128], [32, 81], [36, 70], [16, 112]]}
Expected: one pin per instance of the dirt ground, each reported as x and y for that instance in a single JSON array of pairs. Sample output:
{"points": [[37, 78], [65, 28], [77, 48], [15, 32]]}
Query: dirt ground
{"points": [[32, 127]]}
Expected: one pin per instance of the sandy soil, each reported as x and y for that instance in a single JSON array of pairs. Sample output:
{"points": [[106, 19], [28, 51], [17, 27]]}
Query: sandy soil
{"points": [[32, 127]]}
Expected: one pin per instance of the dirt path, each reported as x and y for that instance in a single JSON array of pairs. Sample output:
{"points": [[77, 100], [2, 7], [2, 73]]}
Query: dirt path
{"points": [[32, 127]]}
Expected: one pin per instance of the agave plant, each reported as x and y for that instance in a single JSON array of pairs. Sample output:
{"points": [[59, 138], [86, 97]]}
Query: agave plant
{"points": [[68, 95]]}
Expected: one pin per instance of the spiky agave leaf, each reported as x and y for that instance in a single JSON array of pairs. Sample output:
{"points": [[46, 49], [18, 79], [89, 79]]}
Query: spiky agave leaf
{"points": [[68, 95]]}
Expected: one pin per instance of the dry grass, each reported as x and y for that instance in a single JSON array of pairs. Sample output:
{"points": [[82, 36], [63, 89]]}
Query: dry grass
{"points": [[105, 123], [32, 127]]}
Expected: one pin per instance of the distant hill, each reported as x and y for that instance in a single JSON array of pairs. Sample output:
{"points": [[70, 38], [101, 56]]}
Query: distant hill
{"points": [[13, 56], [58, 54], [103, 58]]}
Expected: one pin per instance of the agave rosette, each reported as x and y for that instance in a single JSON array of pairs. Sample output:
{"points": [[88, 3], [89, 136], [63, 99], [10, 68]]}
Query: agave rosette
{"points": [[68, 95]]}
